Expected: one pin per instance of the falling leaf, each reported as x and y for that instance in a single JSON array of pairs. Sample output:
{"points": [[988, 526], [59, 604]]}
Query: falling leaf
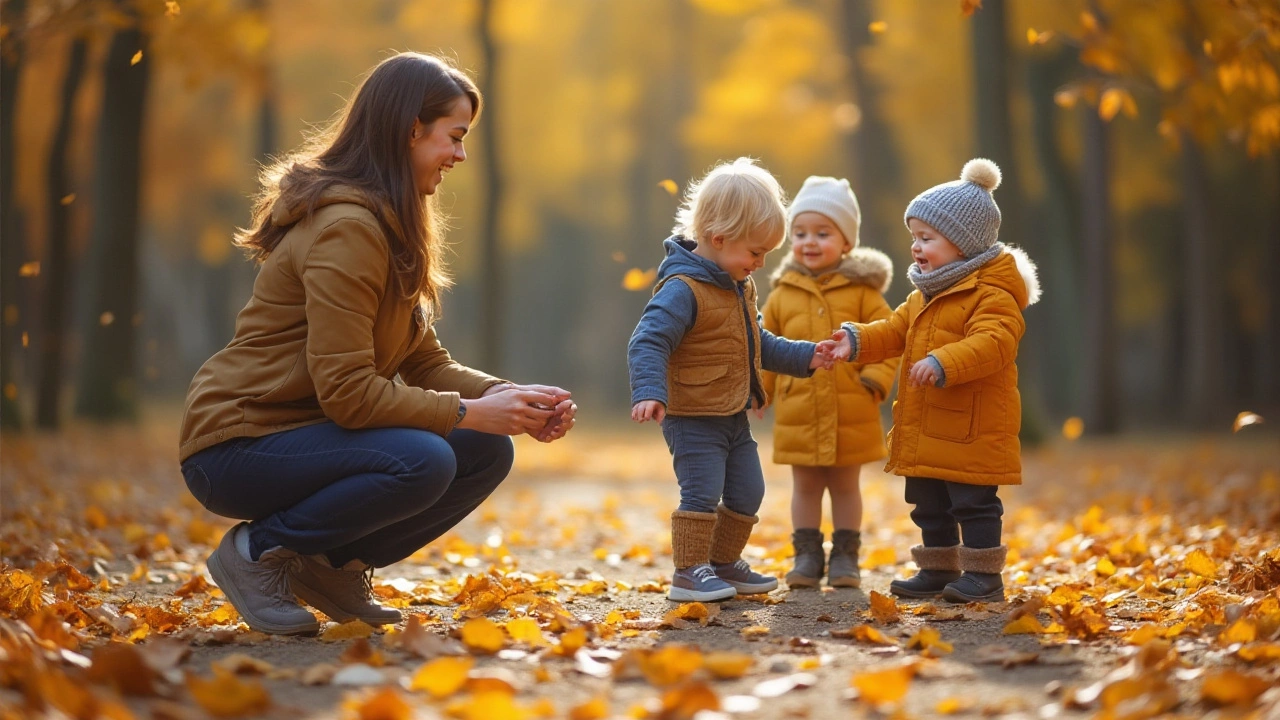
{"points": [[968, 7], [29, 269], [884, 608], [483, 635], [1072, 427], [67, 199], [1038, 38], [225, 695], [442, 677], [1243, 420], [878, 27], [670, 186], [727, 665], [1114, 100], [171, 9], [106, 318], [884, 686], [137, 58], [636, 279]]}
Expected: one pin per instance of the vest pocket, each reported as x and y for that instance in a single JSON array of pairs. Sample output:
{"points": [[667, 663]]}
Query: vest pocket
{"points": [[951, 414], [698, 374]]}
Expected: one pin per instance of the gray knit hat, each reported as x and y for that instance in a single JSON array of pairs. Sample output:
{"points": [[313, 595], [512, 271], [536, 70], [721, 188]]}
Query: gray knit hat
{"points": [[963, 209], [830, 197]]}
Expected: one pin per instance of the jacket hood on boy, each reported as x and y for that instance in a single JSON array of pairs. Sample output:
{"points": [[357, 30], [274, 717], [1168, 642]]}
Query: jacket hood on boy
{"points": [[1006, 275], [681, 260], [863, 266]]}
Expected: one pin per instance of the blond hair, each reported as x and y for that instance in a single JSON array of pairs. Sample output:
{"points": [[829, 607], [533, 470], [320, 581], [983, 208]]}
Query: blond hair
{"points": [[734, 200]]}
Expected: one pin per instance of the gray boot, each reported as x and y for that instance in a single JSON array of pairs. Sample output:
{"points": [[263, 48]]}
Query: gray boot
{"points": [[938, 566], [260, 590], [981, 581], [344, 593], [842, 568], [809, 559]]}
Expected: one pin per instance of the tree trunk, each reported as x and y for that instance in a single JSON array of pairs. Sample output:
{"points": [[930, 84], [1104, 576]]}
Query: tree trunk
{"points": [[1056, 231], [12, 16], [873, 160], [1101, 397], [57, 269], [492, 296], [1203, 380], [107, 384], [1268, 363]]}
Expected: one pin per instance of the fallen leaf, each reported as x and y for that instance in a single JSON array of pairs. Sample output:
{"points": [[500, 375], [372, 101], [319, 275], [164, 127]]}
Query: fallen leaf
{"points": [[883, 608], [442, 677], [727, 665], [347, 631], [482, 635], [225, 695], [883, 686], [383, 704]]}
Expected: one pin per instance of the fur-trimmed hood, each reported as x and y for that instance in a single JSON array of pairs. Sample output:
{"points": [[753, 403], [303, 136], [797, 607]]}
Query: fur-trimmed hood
{"points": [[1030, 278], [863, 266]]}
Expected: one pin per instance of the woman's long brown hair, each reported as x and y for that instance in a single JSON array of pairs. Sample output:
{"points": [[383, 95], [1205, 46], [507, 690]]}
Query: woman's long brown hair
{"points": [[366, 147]]}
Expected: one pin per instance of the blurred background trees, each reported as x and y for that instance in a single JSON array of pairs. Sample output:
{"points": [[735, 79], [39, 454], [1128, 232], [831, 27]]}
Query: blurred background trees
{"points": [[1139, 141]]}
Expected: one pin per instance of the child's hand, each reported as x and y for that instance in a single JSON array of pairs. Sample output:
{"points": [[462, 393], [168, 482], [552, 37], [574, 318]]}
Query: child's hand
{"points": [[841, 349], [923, 372], [648, 410], [822, 359]]}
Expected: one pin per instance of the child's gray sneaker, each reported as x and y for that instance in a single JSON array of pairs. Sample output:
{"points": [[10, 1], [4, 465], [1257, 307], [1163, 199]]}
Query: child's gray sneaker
{"points": [[699, 584], [344, 593], [260, 590], [743, 579]]}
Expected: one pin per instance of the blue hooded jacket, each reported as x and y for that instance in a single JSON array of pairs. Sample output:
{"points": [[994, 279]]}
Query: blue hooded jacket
{"points": [[670, 315]]}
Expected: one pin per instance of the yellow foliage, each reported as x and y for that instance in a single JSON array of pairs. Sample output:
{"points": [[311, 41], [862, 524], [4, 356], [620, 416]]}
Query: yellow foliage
{"points": [[348, 631], [526, 630], [884, 686], [442, 677], [225, 695], [482, 635], [1230, 687], [670, 664], [883, 608], [727, 665]]}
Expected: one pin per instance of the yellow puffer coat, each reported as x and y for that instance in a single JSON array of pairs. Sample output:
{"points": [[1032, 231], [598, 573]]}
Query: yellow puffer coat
{"points": [[831, 418], [966, 431]]}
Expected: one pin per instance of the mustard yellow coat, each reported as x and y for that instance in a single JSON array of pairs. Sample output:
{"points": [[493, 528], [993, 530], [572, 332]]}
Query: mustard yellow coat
{"points": [[966, 431], [831, 418]]}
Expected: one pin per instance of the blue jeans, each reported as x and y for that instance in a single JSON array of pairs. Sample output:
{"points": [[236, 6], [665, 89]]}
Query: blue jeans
{"points": [[716, 460], [944, 508], [374, 495]]}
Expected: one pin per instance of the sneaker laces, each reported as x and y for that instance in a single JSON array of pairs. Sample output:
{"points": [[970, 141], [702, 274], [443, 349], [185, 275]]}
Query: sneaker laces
{"points": [[367, 577], [277, 577], [702, 573]]}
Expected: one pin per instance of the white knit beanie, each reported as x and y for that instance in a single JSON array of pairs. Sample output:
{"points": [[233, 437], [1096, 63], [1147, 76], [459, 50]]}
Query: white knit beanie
{"points": [[830, 197]]}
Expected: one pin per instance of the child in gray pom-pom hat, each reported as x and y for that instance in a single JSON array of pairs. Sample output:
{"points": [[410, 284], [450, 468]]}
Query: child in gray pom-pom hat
{"points": [[957, 416]]}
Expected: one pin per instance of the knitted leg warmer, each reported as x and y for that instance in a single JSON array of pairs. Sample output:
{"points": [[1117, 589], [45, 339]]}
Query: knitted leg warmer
{"points": [[730, 535], [691, 537]]}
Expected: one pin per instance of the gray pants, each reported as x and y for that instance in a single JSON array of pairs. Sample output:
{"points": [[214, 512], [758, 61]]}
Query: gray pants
{"points": [[716, 460]]}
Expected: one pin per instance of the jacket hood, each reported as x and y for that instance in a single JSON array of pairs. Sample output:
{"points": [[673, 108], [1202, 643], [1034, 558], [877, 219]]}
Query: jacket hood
{"points": [[1015, 273], [283, 215], [863, 266], [681, 260]]}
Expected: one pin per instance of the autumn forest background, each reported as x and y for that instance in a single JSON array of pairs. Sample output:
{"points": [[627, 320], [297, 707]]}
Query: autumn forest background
{"points": [[1138, 141]]}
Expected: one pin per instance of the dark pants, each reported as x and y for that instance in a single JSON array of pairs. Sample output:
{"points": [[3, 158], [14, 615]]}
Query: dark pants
{"points": [[716, 461], [375, 495], [943, 509]]}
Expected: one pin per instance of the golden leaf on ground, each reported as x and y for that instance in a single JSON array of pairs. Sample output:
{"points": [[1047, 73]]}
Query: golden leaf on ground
{"points": [[1230, 687], [953, 706], [121, 666], [1244, 630], [686, 701], [383, 704], [1003, 655], [361, 651], [669, 185], [487, 706], [442, 677], [19, 594], [347, 631], [865, 634], [753, 632], [1245, 419], [877, 27], [543, 708], [1105, 567], [481, 634], [571, 641], [1199, 562], [636, 279], [597, 708], [929, 641], [883, 608], [242, 664], [1260, 652], [727, 665], [884, 686], [595, 587], [526, 630], [1026, 624], [197, 584], [670, 664], [691, 611], [225, 695]]}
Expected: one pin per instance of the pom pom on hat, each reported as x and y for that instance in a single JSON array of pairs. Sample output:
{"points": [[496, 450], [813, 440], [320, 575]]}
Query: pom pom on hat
{"points": [[981, 172]]}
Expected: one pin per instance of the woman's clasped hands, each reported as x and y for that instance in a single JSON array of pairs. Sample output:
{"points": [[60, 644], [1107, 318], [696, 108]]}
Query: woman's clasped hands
{"points": [[544, 412]]}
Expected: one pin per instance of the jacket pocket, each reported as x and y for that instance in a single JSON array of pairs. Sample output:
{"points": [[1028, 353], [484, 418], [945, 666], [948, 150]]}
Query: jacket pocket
{"points": [[951, 414]]}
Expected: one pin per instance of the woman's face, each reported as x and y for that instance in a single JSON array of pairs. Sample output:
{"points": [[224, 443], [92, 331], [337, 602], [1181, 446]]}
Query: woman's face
{"points": [[434, 149]]}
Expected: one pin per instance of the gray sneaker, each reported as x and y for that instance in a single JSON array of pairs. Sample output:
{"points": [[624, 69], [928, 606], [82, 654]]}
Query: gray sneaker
{"points": [[259, 591], [743, 579], [699, 584], [344, 593]]}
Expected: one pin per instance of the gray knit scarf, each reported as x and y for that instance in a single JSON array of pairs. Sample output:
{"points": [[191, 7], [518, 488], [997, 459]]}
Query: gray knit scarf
{"points": [[935, 281]]}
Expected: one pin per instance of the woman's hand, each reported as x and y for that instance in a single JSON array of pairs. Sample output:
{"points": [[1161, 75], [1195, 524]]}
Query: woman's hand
{"points": [[509, 411], [648, 410], [563, 410]]}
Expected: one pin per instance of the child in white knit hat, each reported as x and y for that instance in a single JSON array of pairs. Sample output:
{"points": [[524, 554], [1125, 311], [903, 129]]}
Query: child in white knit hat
{"points": [[827, 425], [958, 412]]}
